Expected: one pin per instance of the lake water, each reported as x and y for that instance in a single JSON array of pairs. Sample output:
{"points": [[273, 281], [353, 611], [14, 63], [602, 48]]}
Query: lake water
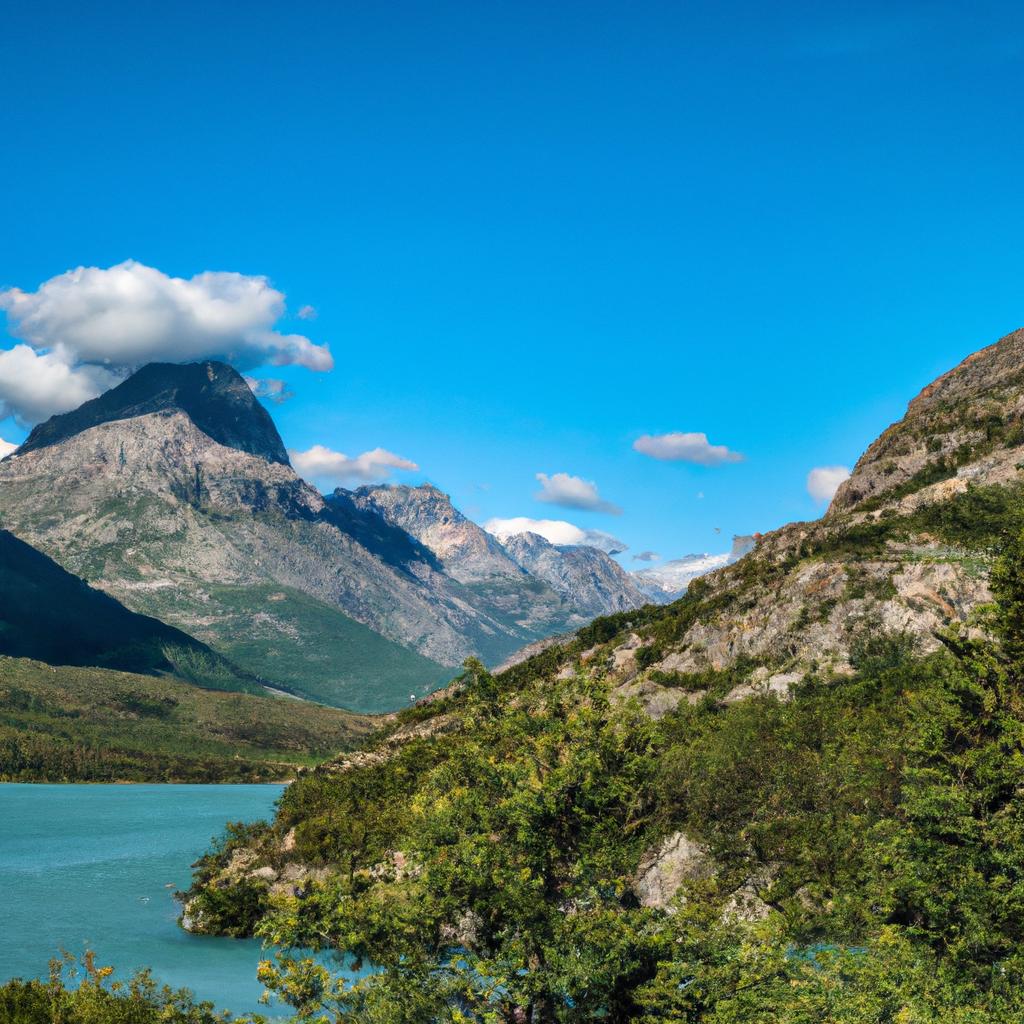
{"points": [[95, 867]]}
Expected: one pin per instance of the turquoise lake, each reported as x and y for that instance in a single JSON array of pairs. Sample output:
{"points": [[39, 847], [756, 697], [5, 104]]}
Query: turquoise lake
{"points": [[95, 867]]}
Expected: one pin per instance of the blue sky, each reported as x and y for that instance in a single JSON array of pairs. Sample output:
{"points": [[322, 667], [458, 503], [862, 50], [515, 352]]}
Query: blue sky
{"points": [[533, 233]]}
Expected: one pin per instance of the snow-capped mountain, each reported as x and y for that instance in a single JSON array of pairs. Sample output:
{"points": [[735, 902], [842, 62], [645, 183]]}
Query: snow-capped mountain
{"points": [[668, 582]]}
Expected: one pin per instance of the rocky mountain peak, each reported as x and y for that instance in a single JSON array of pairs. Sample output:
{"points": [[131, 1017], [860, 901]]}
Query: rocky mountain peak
{"points": [[212, 394], [967, 423], [468, 553]]}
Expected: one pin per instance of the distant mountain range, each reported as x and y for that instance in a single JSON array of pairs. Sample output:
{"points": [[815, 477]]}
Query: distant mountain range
{"points": [[173, 493], [669, 581]]}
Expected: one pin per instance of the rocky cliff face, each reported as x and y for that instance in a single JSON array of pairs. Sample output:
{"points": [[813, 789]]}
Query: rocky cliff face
{"points": [[968, 425], [546, 587], [590, 580], [467, 553]]}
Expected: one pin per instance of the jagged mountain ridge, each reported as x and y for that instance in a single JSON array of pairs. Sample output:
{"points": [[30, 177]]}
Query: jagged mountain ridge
{"points": [[586, 580], [591, 579], [468, 553], [326, 598]]}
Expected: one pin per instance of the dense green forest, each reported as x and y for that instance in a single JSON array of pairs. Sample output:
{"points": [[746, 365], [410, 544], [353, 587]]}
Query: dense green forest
{"points": [[66, 724], [862, 847]]}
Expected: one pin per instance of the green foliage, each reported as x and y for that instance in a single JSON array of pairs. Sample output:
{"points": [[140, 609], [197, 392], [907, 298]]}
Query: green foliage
{"points": [[300, 644], [93, 725], [874, 824], [88, 995]]}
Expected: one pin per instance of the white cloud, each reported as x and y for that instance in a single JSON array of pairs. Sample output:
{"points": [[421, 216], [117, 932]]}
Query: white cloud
{"points": [[89, 327], [6, 448], [307, 313], [824, 481], [276, 391], [680, 447], [35, 386], [573, 492], [320, 463], [647, 556], [555, 531]]}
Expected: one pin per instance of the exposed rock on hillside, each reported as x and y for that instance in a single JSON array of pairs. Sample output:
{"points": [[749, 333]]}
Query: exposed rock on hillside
{"points": [[591, 581], [467, 552]]}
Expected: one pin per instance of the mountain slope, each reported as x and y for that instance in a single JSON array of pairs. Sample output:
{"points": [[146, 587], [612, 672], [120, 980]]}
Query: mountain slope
{"points": [[52, 616], [468, 553], [544, 588], [71, 724]]}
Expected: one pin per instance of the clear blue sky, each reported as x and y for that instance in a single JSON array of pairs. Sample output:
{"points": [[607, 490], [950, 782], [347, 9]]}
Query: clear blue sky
{"points": [[534, 232]]}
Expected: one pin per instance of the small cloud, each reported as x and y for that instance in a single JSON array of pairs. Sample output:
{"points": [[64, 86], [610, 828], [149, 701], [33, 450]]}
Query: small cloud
{"points": [[647, 556], [276, 391], [679, 447], [320, 463], [307, 313], [573, 492], [700, 495], [824, 481], [555, 531], [6, 448]]}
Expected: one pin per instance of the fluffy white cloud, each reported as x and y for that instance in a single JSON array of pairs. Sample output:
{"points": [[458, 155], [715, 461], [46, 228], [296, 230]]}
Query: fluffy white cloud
{"points": [[276, 391], [647, 556], [555, 531], [824, 481], [6, 448], [307, 313], [678, 447], [320, 463], [573, 492], [131, 314], [35, 386], [87, 328]]}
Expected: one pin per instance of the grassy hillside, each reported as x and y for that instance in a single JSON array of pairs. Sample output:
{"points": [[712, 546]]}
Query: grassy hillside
{"points": [[296, 641], [48, 614], [74, 724]]}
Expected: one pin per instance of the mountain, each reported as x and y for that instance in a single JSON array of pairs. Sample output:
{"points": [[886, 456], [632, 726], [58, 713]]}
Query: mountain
{"points": [[668, 581], [546, 588], [218, 402], [589, 579], [468, 553], [173, 493], [51, 616], [795, 791]]}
